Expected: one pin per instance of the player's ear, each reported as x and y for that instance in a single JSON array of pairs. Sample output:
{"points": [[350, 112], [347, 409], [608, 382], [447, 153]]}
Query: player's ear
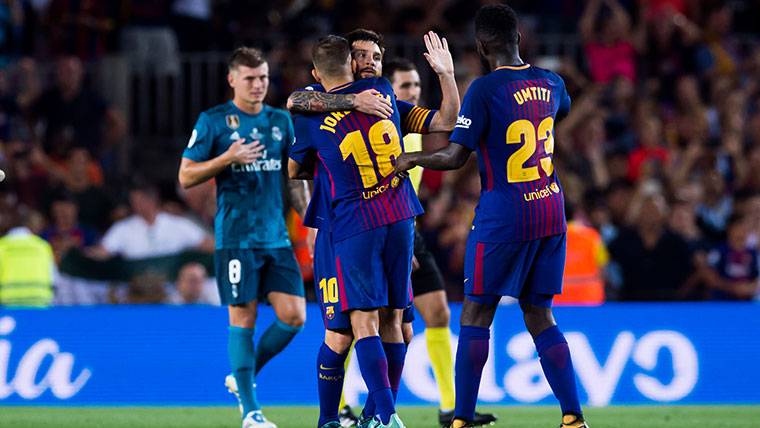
{"points": [[519, 37], [315, 75], [481, 48], [354, 66], [230, 78]]}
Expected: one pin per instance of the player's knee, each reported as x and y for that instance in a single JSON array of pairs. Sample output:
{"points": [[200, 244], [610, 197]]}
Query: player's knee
{"points": [[537, 319], [294, 317], [478, 314], [338, 342], [439, 317], [408, 332]]}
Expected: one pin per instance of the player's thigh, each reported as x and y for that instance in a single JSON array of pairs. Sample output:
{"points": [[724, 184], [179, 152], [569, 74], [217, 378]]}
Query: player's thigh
{"points": [[433, 308], [493, 269], [326, 284], [397, 263], [280, 273], [546, 270], [427, 277], [359, 267], [238, 275]]}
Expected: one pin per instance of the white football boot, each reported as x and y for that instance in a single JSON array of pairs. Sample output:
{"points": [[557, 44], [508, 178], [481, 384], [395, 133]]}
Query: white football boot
{"points": [[256, 419]]}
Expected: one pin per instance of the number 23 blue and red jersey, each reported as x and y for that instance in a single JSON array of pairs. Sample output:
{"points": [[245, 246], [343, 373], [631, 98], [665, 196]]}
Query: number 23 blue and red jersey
{"points": [[507, 117], [358, 153]]}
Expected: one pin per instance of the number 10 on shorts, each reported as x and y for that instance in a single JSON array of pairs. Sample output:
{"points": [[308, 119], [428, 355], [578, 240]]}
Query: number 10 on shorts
{"points": [[329, 288], [234, 270]]}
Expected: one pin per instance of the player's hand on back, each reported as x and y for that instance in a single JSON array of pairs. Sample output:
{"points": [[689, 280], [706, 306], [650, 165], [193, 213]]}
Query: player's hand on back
{"points": [[372, 102], [438, 54], [242, 153]]}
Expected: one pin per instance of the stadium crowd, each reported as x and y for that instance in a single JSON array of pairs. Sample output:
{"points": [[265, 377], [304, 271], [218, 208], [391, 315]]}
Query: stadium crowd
{"points": [[658, 157]]}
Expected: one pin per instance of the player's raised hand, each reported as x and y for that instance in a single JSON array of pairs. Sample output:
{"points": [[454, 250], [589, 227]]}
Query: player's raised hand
{"points": [[242, 153], [438, 55], [374, 103]]}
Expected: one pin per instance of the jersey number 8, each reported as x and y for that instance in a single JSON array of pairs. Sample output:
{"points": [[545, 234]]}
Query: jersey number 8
{"points": [[384, 142], [523, 131]]}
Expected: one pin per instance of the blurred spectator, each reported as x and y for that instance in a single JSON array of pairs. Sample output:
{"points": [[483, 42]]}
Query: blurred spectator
{"points": [[81, 27], [70, 115], [654, 261], [27, 264], [609, 42], [585, 261], [65, 232], [733, 273], [148, 40], [193, 286], [150, 232], [192, 22], [147, 288]]}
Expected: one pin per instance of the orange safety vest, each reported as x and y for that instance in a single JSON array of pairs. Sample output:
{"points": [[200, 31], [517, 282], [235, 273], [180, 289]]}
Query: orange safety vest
{"points": [[586, 256], [298, 236]]}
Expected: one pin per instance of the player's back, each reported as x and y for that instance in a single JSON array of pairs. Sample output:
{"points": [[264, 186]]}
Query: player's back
{"points": [[508, 117], [358, 152]]}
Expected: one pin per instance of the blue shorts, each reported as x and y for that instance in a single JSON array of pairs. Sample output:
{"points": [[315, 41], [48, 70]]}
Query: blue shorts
{"points": [[245, 275], [374, 267], [530, 271], [326, 283]]}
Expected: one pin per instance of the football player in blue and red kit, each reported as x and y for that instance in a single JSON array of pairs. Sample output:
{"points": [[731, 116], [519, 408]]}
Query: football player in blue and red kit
{"points": [[517, 243]]}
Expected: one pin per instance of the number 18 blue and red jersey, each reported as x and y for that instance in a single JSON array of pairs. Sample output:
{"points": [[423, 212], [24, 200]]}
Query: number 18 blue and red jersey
{"points": [[507, 117], [358, 153]]}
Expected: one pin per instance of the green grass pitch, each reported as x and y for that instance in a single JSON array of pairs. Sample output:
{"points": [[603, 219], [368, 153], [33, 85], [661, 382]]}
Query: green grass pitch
{"points": [[414, 417]]}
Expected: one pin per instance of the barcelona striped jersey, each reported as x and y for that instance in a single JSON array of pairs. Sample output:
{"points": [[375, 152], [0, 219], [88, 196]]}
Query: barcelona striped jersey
{"points": [[507, 117], [413, 119], [358, 152]]}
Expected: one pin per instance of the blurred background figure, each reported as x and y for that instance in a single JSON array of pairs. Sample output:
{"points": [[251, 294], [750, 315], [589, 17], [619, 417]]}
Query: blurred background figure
{"points": [[27, 265], [193, 286]]}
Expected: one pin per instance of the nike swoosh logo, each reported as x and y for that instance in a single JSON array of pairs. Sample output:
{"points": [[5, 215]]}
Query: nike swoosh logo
{"points": [[466, 279], [321, 367]]}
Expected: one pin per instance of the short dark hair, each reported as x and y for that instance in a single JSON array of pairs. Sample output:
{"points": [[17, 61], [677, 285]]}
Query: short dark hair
{"points": [[142, 185], [496, 28], [330, 55], [249, 57], [362, 34], [391, 66]]}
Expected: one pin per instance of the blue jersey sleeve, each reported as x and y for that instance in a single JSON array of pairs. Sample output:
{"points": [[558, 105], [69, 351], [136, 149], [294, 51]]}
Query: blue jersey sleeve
{"points": [[201, 143], [564, 101], [301, 144], [414, 119], [472, 121]]}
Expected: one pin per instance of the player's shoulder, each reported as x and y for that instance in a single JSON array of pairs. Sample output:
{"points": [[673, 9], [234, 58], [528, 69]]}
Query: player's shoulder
{"points": [[548, 74], [276, 113], [380, 84], [219, 110], [314, 87]]}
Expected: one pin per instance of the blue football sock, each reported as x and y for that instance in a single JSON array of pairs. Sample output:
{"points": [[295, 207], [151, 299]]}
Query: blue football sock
{"points": [[374, 368], [240, 350], [558, 367], [472, 353], [330, 373], [395, 353], [273, 341]]}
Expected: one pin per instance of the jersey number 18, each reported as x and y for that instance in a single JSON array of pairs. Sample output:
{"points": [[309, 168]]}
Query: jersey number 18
{"points": [[384, 142]]}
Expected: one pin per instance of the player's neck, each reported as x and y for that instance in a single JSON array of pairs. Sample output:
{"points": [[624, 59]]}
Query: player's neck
{"points": [[330, 84], [249, 108], [497, 61]]}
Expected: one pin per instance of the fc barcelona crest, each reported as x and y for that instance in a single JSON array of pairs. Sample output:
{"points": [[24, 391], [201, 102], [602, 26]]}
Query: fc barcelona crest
{"points": [[233, 121], [330, 312]]}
